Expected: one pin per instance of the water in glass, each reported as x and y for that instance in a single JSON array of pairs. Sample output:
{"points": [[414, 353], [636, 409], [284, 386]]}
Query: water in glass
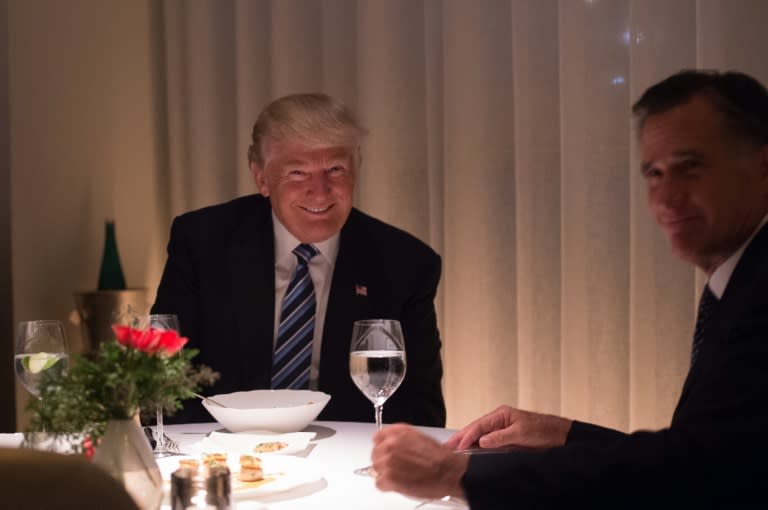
{"points": [[377, 373], [40, 348]]}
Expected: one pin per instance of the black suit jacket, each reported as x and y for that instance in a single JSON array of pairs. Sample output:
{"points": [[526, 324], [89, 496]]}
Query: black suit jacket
{"points": [[714, 454], [220, 280]]}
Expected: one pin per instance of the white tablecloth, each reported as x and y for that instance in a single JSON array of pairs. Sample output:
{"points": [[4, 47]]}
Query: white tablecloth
{"points": [[338, 449]]}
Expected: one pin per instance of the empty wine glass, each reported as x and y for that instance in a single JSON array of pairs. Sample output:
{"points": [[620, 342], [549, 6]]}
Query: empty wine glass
{"points": [[377, 364], [164, 322], [40, 348]]}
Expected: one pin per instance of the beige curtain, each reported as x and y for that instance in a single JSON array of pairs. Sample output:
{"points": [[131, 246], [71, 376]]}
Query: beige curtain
{"points": [[500, 135]]}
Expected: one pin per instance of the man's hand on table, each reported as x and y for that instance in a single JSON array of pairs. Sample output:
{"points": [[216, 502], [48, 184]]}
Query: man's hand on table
{"points": [[414, 464], [507, 426]]}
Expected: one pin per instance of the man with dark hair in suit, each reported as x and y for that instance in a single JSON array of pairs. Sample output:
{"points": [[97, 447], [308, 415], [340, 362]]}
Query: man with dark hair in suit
{"points": [[704, 147], [268, 287]]}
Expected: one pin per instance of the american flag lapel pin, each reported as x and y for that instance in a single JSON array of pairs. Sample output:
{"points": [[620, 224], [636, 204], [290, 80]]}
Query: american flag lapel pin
{"points": [[361, 290]]}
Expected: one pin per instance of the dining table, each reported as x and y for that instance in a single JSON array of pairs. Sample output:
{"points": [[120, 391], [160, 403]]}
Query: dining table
{"points": [[332, 455]]}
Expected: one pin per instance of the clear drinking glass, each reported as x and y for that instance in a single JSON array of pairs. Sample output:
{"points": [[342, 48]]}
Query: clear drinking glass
{"points": [[377, 363], [40, 348], [165, 322]]}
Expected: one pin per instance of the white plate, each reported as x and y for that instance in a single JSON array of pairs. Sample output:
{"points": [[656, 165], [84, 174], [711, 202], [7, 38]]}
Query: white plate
{"points": [[282, 474], [243, 442]]}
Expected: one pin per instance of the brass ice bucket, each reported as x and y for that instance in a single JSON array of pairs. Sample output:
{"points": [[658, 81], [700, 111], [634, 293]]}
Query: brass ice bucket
{"points": [[100, 309]]}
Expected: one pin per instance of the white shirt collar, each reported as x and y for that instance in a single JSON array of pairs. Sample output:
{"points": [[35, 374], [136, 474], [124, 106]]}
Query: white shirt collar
{"points": [[720, 277], [285, 242]]}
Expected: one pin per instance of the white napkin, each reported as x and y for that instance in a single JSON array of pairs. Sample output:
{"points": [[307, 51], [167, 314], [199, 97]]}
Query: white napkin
{"points": [[244, 442]]}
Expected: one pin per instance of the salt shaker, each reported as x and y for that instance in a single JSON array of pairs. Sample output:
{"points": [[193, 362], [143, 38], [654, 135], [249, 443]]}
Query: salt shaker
{"points": [[191, 490], [183, 488]]}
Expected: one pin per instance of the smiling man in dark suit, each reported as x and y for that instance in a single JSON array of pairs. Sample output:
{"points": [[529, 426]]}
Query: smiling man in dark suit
{"points": [[267, 286], [704, 148]]}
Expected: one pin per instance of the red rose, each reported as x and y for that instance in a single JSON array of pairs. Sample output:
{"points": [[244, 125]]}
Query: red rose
{"points": [[170, 342], [125, 335], [88, 449], [150, 341]]}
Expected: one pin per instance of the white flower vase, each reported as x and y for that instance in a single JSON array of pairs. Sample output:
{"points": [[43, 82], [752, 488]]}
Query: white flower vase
{"points": [[125, 453]]}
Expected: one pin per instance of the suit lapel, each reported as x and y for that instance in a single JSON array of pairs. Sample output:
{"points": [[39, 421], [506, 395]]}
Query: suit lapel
{"points": [[346, 302], [252, 262], [737, 293]]}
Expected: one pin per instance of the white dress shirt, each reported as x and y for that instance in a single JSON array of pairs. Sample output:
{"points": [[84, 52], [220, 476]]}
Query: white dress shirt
{"points": [[720, 277], [320, 270]]}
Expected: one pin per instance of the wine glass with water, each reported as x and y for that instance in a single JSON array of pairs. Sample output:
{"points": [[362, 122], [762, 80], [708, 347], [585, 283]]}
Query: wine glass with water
{"points": [[164, 322], [377, 363], [40, 348]]}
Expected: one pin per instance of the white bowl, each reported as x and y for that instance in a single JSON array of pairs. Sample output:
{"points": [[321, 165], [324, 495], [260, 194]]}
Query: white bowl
{"points": [[273, 410]]}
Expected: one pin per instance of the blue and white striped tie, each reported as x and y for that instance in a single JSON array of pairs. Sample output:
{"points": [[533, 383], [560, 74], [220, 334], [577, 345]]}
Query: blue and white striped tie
{"points": [[293, 349]]}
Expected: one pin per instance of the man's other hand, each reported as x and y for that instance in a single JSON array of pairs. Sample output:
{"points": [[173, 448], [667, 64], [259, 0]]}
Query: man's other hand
{"points": [[507, 426]]}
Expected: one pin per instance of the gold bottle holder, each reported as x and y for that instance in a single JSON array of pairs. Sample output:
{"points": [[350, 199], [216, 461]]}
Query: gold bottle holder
{"points": [[98, 310]]}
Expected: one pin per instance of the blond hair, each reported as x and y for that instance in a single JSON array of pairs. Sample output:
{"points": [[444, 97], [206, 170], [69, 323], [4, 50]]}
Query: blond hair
{"points": [[313, 119]]}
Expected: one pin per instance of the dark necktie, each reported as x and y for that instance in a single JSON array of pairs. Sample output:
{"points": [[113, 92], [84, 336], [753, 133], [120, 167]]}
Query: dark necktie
{"points": [[293, 349], [707, 306]]}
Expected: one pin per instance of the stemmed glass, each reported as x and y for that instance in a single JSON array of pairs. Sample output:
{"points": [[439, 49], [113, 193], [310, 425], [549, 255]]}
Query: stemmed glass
{"points": [[164, 322], [377, 364], [40, 347]]}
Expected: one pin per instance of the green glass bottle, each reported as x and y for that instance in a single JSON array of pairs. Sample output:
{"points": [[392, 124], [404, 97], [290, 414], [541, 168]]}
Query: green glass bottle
{"points": [[111, 274]]}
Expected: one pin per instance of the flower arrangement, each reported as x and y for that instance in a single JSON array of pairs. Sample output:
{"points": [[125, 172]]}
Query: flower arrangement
{"points": [[142, 369]]}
